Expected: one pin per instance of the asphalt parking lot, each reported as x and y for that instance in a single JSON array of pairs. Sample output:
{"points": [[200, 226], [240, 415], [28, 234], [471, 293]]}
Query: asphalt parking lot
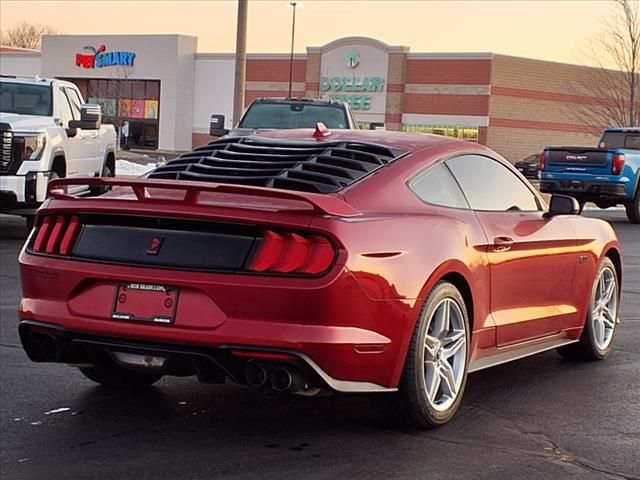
{"points": [[540, 417]]}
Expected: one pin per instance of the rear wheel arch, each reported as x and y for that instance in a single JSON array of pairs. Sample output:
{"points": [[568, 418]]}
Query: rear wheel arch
{"points": [[452, 272], [461, 283], [614, 255], [456, 273]]}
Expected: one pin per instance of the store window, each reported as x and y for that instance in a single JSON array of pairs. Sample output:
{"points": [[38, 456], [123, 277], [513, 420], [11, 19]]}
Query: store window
{"points": [[455, 131], [136, 102]]}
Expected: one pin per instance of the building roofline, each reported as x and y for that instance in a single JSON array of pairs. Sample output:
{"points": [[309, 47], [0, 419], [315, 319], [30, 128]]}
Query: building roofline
{"points": [[18, 50], [451, 55], [556, 62], [250, 56], [372, 42]]}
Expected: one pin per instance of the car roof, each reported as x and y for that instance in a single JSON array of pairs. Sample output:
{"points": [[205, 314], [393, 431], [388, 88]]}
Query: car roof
{"points": [[294, 100], [410, 142]]}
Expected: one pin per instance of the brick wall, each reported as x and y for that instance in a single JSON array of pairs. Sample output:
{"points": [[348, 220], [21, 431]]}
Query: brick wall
{"points": [[396, 77], [270, 78], [449, 71], [312, 77], [516, 143], [531, 107]]}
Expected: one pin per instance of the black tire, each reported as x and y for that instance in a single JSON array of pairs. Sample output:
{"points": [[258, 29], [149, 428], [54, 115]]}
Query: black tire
{"points": [[109, 374], [581, 203], [53, 175], [633, 208], [410, 406], [587, 348], [106, 172]]}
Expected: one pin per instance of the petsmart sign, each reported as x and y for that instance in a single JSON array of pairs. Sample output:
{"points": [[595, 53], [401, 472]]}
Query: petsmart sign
{"points": [[93, 57]]}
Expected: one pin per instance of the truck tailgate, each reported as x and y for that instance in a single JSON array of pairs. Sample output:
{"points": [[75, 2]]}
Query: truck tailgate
{"points": [[578, 159]]}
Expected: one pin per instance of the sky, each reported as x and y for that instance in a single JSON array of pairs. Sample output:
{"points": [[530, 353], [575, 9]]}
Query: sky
{"points": [[545, 29]]}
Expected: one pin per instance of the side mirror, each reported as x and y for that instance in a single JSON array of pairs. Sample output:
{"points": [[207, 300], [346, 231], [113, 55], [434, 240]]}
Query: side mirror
{"points": [[216, 126], [90, 118], [562, 205]]}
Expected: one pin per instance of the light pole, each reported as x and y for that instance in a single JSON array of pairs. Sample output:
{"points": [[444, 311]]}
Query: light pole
{"points": [[241, 62], [293, 33]]}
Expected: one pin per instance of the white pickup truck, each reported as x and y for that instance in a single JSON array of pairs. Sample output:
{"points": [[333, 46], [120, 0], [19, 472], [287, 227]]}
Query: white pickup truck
{"points": [[46, 131]]}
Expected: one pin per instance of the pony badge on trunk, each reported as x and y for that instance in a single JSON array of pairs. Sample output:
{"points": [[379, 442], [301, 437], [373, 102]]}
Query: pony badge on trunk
{"points": [[154, 246]]}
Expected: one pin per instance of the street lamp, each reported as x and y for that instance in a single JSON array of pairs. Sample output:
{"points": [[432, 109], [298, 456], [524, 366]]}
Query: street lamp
{"points": [[293, 33]]}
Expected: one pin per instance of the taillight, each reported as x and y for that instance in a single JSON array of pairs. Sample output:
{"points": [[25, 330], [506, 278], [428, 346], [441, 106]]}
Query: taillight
{"points": [[541, 159], [57, 235], [293, 253], [618, 164]]}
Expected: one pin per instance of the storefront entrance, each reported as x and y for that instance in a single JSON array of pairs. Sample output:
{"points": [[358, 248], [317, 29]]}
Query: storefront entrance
{"points": [[135, 103]]}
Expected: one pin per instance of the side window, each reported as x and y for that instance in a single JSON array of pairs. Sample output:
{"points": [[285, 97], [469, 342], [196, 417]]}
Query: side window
{"points": [[489, 185], [437, 186], [65, 109], [75, 102]]}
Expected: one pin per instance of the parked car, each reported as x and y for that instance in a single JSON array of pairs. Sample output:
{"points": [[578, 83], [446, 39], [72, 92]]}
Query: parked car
{"points": [[529, 166], [607, 175], [48, 132], [286, 113], [304, 262]]}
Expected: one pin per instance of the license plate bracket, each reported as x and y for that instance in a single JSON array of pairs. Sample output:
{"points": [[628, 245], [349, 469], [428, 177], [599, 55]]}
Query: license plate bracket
{"points": [[144, 302]]}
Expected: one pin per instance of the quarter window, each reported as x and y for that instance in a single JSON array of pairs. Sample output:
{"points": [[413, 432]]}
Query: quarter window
{"points": [[437, 186], [489, 185]]}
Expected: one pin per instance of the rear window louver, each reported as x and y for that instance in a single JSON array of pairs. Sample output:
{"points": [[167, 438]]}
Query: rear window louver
{"points": [[294, 165]]}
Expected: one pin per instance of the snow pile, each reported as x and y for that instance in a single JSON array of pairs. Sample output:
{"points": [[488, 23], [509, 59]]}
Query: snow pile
{"points": [[125, 167]]}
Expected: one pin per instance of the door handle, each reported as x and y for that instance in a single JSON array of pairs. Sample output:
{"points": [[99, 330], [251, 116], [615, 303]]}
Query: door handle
{"points": [[502, 244]]}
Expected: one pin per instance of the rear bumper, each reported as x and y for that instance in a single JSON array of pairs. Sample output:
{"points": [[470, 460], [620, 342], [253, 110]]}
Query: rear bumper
{"points": [[585, 189], [64, 346], [351, 341]]}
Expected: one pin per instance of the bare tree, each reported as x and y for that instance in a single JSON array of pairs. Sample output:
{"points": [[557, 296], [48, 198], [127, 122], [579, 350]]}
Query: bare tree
{"points": [[610, 92], [26, 35]]}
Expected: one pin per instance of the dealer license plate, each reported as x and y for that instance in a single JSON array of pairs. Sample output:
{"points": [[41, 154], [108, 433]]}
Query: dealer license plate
{"points": [[145, 302]]}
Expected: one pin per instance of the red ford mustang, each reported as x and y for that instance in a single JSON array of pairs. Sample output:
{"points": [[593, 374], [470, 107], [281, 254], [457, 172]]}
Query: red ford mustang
{"points": [[304, 262]]}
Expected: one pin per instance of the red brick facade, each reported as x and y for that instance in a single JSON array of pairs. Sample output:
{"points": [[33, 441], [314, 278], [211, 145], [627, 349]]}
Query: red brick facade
{"points": [[517, 105]]}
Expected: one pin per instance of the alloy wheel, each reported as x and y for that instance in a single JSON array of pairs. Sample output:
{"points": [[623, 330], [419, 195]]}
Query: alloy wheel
{"points": [[445, 354], [604, 311]]}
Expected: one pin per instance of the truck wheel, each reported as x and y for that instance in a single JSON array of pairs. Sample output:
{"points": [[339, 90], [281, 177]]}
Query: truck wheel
{"points": [[582, 203], [53, 175], [633, 208], [106, 172]]}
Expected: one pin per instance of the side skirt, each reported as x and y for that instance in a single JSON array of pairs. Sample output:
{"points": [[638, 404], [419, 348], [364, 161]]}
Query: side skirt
{"points": [[515, 353]]}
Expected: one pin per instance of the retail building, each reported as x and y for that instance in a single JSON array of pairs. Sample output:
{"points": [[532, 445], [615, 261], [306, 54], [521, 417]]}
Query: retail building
{"points": [[166, 90]]}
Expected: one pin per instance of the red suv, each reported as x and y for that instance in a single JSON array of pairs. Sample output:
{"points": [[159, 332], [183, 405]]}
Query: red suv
{"points": [[303, 262]]}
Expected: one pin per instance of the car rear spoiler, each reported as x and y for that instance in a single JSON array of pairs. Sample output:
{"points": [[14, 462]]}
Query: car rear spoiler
{"points": [[321, 203]]}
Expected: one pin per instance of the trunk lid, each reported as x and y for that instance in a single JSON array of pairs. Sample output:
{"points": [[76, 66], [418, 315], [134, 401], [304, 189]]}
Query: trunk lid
{"points": [[173, 224]]}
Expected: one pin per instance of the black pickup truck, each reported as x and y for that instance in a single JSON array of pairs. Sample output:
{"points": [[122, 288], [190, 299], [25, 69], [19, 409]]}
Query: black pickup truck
{"points": [[285, 113]]}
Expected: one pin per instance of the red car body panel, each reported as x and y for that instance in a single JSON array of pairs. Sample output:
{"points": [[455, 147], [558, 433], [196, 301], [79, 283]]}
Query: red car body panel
{"points": [[356, 320]]}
